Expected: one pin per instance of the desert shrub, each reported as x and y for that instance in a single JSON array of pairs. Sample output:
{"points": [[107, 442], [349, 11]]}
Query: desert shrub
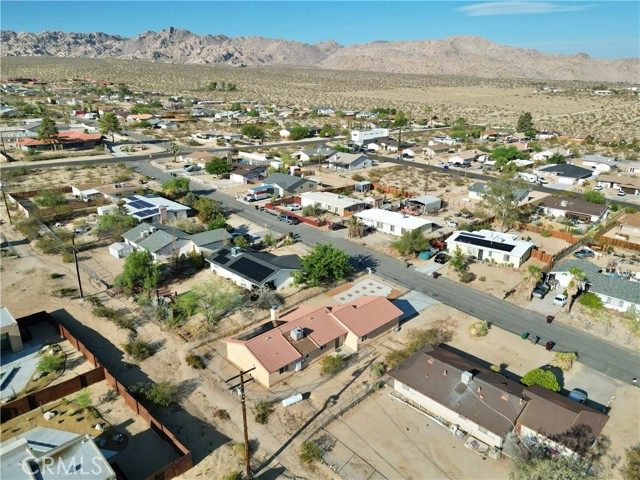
{"points": [[262, 410], [118, 317], [479, 329], [67, 257], [358, 177], [83, 398], [194, 361], [466, 276], [377, 369], [332, 364], [221, 414], [310, 452], [545, 233], [631, 468], [482, 278], [29, 227], [53, 276], [417, 339], [50, 363], [138, 349], [544, 378], [267, 298], [162, 393], [564, 360], [67, 292]]}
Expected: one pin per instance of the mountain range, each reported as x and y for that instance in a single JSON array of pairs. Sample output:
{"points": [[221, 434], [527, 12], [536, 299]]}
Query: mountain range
{"points": [[461, 55]]}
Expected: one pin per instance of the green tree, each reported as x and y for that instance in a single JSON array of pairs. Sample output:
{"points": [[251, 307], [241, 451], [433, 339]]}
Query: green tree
{"points": [[162, 393], [241, 241], [411, 242], [83, 398], [140, 109], [501, 199], [253, 113], [575, 283], [327, 131], [541, 466], [544, 378], [252, 131], [332, 364], [217, 166], [109, 124], [235, 106], [176, 186], [174, 149], [323, 265], [594, 196], [114, 224], [503, 154], [208, 210], [556, 158], [48, 132], [298, 132], [216, 299], [631, 468], [140, 273], [525, 123], [50, 198], [458, 260]]}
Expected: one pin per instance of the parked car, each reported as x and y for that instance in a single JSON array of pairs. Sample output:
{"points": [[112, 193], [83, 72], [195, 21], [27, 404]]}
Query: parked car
{"points": [[621, 193], [289, 219], [584, 254], [82, 229], [578, 396], [295, 207], [598, 187], [467, 215], [542, 181], [451, 223], [541, 290], [441, 258], [336, 226], [457, 214], [560, 300]]}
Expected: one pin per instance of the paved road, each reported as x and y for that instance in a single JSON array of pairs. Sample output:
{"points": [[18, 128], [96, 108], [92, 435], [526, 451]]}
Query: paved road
{"points": [[594, 352]]}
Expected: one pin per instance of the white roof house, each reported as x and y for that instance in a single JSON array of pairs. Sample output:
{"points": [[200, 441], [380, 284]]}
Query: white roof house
{"points": [[392, 222], [491, 246], [332, 202], [151, 208], [49, 454]]}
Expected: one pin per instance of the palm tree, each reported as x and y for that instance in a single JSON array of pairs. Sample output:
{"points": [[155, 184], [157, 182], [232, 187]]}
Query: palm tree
{"points": [[534, 275], [575, 284], [356, 228]]}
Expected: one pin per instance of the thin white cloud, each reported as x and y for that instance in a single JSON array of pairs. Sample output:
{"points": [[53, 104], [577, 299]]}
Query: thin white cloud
{"points": [[518, 8]]}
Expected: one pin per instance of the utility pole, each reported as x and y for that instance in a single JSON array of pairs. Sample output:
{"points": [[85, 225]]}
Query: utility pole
{"points": [[75, 259], [243, 400], [6, 205]]}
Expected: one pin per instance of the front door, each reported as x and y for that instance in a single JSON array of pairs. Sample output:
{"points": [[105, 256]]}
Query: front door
{"points": [[480, 252]]}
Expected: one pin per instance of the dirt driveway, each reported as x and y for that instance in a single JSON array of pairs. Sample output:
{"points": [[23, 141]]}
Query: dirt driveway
{"points": [[401, 443]]}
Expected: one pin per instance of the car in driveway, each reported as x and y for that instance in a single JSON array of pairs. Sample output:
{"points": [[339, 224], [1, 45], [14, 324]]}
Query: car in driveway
{"points": [[584, 254], [441, 258], [289, 219], [578, 395], [451, 223], [598, 187], [540, 290], [294, 207], [621, 193], [560, 300], [467, 215]]}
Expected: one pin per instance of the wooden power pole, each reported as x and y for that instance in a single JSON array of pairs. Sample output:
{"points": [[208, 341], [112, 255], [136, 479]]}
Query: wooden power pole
{"points": [[243, 400]]}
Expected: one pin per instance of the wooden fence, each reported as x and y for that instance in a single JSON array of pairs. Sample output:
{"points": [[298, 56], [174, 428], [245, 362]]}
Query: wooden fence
{"points": [[68, 387]]}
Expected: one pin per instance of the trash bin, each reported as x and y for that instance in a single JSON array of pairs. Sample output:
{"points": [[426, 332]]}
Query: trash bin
{"points": [[550, 318], [525, 335], [550, 345]]}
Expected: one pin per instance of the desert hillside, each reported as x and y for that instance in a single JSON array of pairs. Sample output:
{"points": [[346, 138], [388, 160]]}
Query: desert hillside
{"points": [[462, 55]]}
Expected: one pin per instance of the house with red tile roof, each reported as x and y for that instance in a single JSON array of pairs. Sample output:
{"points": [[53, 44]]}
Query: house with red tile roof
{"points": [[65, 140], [281, 346]]}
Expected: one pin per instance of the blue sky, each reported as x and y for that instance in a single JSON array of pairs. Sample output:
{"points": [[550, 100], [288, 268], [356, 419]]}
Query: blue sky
{"points": [[600, 28]]}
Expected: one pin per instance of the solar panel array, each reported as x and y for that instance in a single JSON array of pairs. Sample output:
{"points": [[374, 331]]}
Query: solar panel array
{"points": [[250, 269], [482, 242], [146, 213]]}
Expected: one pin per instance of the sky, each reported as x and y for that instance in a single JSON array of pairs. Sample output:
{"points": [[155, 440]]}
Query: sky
{"points": [[600, 28]]}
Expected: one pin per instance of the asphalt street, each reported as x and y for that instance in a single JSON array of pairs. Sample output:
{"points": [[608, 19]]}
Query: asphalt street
{"points": [[593, 351]]}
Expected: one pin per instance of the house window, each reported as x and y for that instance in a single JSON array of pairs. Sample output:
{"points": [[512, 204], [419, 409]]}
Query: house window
{"points": [[403, 231], [489, 254], [379, 225], [323, 347], [362, 339], [284, 369], [506, 258], [392, 228]]}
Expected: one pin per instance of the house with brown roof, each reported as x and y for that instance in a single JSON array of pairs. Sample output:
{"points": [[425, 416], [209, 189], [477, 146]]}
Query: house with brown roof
{"points": [[573, 209], [64, 140], [286, 344], [630, 185], [466, 396], [630, 225]]}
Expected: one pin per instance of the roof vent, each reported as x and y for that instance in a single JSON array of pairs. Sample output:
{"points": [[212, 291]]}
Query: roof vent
{"points": [[235, 251], [466, 377], [563, 203], [297, 334]]}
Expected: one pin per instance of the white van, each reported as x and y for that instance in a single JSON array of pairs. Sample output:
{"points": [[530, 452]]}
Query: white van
{"points": [[560, 300]]}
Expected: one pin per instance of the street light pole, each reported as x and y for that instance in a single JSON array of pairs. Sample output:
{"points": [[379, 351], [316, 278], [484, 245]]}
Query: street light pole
{"points": [[6, 205]]}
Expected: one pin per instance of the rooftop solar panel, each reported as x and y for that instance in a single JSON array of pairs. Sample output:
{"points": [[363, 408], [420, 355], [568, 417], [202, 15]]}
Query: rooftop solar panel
{"points": [[144, 204], [250, 269], [482, 242]]}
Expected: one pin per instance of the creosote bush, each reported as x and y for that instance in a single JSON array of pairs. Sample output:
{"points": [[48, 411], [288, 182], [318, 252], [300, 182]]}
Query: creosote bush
{"points": [[479, 329], [310, 452], [194, 361], [138, 349]]}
